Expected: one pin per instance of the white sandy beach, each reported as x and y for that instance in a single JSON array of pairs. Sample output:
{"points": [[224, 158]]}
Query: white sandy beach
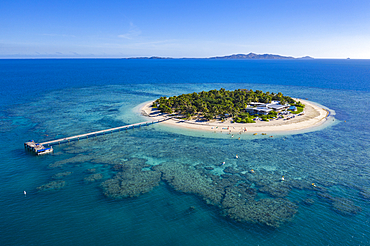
{"points": [[313, 116]]}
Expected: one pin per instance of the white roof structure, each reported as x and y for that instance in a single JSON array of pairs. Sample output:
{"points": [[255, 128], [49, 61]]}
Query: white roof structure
{"points": [[259, 110], [263, 109], [256, 104], [276, 106]]}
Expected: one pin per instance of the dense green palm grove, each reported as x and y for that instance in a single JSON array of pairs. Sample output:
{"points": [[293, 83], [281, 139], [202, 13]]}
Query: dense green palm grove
{"points": [[216, 103]]}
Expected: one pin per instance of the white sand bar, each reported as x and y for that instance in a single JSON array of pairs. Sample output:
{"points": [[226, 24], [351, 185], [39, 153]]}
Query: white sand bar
{"points": [[313, 116]]}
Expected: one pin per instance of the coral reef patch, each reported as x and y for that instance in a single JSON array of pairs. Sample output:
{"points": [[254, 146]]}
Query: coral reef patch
{"points": [[61, 175], [130, 181], [76, 159], [271, 212], [340, 205], [93, 177], [54, 185], [186, 179], [237, 201], [345, 206]]}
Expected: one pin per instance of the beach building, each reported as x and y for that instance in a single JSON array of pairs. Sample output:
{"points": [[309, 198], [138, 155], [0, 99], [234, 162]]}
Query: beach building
{"points": [[277, 107], [265, 108], [258, 110]]}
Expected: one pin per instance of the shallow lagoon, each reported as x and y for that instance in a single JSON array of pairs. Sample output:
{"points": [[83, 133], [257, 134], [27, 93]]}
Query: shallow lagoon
{"points": [[335, 158]]}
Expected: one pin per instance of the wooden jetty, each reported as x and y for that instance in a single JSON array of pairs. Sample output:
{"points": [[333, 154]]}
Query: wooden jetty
{"points": [[30, 145], [111, 130]]}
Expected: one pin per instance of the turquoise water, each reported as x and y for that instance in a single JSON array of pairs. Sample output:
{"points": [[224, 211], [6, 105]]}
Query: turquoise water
{"points": [[48, 99]]}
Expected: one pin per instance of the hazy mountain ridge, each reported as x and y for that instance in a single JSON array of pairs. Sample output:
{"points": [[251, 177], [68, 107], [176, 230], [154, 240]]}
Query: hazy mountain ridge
{"points": [[232, 57], [252, 56], [256, 56]]}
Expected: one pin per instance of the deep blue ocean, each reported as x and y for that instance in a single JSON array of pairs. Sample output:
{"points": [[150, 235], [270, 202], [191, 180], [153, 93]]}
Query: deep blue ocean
{"points": [[75, 196]]}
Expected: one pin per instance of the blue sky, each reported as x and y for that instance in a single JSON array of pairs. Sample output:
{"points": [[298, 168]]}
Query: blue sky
{"points": [[318, 28]]}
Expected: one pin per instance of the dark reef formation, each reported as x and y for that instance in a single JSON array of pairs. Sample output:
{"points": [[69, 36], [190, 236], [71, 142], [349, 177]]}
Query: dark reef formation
{"points": [[271, 212], [236, 193], [240, 193], [186, 179], [54, 185], [131, 181], [340, 205], [61, 175], [93, 177], [77, 159], [233, 195], [345, 206]]}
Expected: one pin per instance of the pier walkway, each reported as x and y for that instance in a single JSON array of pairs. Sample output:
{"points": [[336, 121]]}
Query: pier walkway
{"points": [[111, 130]]}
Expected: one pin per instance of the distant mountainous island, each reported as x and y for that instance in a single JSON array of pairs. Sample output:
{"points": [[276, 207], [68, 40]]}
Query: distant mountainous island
{"points": [[256, 56], [232, 57]]}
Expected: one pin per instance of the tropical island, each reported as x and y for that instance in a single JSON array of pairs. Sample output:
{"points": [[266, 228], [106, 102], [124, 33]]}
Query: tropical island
{"points": [[241, 109], [241, 105]]}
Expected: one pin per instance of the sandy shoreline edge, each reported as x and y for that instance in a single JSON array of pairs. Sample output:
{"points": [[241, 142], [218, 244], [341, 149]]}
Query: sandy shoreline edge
{"points": [[314, 116]]}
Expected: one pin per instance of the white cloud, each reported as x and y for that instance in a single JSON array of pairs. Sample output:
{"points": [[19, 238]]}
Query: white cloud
{"points": [[133, 31]]}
